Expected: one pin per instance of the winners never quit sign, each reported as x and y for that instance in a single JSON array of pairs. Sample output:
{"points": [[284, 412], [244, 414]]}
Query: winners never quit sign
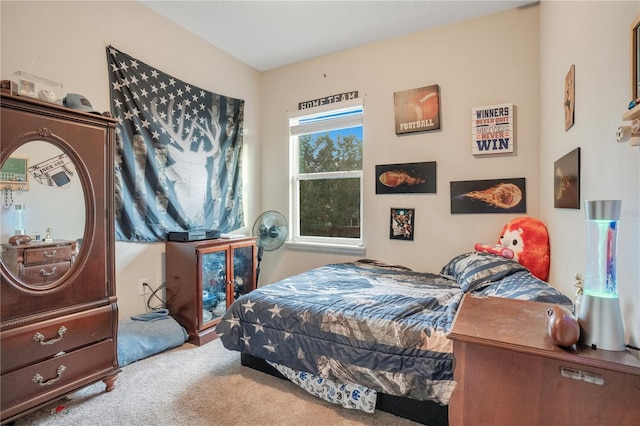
{"points": [[492, 129]]}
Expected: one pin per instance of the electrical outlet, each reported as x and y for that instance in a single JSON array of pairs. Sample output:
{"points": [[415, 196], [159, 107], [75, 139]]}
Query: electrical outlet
{"points": [[142, 288]]}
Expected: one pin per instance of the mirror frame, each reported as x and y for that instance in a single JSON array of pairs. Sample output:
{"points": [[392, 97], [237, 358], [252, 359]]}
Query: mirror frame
{"points": [[45, 135]]}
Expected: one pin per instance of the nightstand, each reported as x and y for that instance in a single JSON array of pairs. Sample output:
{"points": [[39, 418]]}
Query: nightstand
{"points": [[509, 372]]}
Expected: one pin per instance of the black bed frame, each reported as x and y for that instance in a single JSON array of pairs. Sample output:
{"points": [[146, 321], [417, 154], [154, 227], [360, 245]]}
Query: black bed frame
{"points": [[425, 412]]}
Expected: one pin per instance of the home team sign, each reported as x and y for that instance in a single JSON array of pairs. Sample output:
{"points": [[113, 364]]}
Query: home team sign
{"points": [[340, 97], [492, 129]]}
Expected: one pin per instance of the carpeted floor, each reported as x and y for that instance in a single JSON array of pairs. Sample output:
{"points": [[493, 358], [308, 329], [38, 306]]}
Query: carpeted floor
{"points": [[193, 386]]}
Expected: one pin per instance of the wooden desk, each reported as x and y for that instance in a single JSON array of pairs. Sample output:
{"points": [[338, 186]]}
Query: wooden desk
{"points": [[509, 372]]}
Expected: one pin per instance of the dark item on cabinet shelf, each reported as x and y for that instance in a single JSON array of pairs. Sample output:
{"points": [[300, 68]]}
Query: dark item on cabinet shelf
{"points": [[193, 235], [59, 316], [203, 278], [502, 353]]}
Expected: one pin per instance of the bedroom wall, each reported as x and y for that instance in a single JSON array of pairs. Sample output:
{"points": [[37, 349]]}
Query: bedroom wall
{"points": [[484, 61], [519, 56], [66, 40], [609, 170]]}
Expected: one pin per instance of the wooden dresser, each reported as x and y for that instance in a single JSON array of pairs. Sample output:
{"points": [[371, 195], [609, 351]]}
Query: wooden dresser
{"points": [[40, 261], [509, 372], [58, 311]]}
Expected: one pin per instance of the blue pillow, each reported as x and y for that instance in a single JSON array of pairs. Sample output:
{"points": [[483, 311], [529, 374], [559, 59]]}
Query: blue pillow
{"points": [[475, 270], [524, 286]]}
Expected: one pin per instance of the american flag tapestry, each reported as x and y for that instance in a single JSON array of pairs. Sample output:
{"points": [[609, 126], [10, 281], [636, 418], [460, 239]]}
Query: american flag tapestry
{"points": [[179, 153]]}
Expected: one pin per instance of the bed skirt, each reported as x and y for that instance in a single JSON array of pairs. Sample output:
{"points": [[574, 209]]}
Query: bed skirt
{"points": [[425, 412]]}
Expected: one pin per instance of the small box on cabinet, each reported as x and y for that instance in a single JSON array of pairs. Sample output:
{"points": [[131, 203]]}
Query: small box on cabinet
{"points": [[38, 87]]}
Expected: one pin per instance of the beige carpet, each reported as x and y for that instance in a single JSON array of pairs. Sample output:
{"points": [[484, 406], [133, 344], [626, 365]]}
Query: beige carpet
{"points": [[193, 386]]}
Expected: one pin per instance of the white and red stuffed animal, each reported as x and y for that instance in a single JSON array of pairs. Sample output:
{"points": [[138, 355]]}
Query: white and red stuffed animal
{"points": [[525, 240]]}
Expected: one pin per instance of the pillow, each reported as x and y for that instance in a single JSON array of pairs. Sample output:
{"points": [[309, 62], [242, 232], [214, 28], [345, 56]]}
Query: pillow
{"points": [[523, 285], [477, 269]]}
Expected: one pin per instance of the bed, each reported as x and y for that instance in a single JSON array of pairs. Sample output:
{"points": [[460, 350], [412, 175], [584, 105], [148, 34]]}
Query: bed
{"points": [[369, 335]]}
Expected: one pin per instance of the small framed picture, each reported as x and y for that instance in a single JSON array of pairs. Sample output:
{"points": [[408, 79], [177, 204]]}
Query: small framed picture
{"points": [[635, 58], [402, 224], [569, 98], [566, 181], [27, 88]]}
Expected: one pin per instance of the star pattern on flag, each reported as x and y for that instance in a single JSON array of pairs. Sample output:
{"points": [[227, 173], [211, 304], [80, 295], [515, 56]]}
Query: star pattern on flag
{"points": [[270, 346], [248, 306], [258, 327], [275, 311], [246, 339], [233, 322], [178, 147]]}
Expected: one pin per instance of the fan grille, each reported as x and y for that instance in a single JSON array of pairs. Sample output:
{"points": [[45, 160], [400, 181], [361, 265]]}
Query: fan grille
{"points": [[271, 230]]}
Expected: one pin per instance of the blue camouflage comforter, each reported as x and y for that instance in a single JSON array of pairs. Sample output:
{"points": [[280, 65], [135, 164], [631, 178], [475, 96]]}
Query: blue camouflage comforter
{"points": [[381, 326]]}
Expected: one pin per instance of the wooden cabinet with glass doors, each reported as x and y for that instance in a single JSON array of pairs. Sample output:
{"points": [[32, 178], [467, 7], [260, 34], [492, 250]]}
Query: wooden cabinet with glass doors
{"points": [[204, 278]]}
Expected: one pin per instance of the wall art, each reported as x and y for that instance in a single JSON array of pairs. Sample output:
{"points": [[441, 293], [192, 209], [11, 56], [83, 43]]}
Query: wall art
{"points": [[635, 58], [417, 110], [339, 97], [566, 181], [56, 171], [13, 174], [182, 170], [569, 98], [402, 224], [489, 196], [406, 178], [492, 129]]}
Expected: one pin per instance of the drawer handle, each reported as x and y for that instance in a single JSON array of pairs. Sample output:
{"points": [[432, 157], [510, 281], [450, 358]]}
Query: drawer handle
{"points": [[45, 254], [40, 380], [38, 337], [46, 274], [586, 376]]}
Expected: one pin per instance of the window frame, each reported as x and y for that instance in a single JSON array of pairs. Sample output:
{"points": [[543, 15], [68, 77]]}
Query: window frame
{"points": [[296, 129]]}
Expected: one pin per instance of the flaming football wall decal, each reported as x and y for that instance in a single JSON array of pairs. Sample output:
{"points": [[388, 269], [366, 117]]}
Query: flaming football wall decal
{"points": [[505, 195], [406, 178], [396, 178]]}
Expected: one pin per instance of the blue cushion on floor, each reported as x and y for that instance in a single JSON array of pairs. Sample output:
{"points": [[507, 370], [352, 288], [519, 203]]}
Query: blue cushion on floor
{"points": [[148, 334]]}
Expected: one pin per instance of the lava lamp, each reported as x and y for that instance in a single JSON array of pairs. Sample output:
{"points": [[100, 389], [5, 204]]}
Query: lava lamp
{"points": [[19, 229], [600, 317]]}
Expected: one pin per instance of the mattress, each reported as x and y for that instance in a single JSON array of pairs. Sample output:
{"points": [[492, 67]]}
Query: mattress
{"points": [[369, 323]]}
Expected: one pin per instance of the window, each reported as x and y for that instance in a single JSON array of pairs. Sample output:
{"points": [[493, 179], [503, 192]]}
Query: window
{"points": [[326, 176]]}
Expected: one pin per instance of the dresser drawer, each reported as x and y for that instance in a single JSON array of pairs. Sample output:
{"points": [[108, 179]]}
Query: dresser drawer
{"points": [[44, 273], [37, 256], [37, 383], [35, 342]]}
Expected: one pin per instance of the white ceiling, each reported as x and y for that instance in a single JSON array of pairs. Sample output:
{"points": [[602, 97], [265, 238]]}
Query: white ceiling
{"points": [[270, 34]]}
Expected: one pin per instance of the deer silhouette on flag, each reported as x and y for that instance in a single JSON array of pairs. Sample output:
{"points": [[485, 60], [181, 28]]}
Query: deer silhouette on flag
{"points": [[179, 152]]}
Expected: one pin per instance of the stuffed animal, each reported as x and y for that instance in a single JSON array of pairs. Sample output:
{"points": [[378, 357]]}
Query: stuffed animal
{"points": [[528, 242], [496, 249]]}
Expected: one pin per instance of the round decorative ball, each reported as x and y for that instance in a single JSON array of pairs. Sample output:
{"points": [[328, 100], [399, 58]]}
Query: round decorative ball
{"points": [[47, 95], [562, 326]]}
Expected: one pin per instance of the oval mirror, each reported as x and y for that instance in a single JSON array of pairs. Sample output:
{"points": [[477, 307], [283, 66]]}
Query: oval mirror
{"points": [[43, 214]]}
